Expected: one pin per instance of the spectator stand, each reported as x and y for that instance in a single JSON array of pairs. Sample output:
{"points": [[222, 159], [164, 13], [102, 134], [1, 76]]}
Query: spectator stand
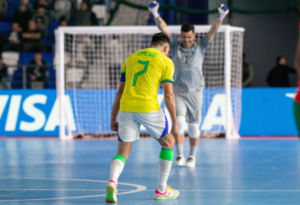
{"points": [[17, 64]]}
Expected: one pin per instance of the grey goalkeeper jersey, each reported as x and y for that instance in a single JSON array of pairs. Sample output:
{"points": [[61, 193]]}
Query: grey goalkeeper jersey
{"points": [[188, 65]]}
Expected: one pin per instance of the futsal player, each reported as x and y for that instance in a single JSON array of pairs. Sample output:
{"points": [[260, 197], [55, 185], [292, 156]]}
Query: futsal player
{"points": [[188, 84], [141, 75], [297, 98]]}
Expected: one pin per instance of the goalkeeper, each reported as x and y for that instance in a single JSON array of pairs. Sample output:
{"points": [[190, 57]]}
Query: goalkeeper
{"points": [[188, 84]]}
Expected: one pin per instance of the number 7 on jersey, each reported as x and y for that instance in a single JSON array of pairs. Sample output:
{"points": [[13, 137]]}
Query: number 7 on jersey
{"points": [[146, 64]]}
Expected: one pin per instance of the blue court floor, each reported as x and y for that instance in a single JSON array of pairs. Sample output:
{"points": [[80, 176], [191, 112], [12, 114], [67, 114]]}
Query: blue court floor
{"points": [[238, 172]]}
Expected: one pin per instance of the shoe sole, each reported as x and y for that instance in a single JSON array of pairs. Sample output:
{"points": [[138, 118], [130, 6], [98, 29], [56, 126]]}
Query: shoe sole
{"points": [[110, 190], [181, 165], [191, 166]]}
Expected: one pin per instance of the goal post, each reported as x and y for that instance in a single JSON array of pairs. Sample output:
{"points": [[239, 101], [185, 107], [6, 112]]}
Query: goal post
{"points": [[88, 62]]}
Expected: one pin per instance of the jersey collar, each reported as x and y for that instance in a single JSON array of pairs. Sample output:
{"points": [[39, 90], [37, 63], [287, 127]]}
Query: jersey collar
{"points": [[154, 48]]}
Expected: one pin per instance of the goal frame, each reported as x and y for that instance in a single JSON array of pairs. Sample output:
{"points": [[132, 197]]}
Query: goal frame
{"points": [[230, 131]]}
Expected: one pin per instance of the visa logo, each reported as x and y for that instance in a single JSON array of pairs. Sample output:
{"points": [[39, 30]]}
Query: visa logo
{"points": [[31, 113]]}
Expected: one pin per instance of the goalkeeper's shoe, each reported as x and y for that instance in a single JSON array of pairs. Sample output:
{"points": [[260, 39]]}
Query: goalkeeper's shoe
{"points": [[111, 192], [180, 161], [170, 193], [191, 162]]}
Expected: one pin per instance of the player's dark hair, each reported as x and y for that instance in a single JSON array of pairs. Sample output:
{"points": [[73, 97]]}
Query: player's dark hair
{"points": [[278, 59], [160, 39], [188, 27]]}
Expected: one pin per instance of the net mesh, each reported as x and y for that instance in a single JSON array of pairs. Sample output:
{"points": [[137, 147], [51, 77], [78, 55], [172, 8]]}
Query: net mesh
{"points": [[92, 75]]}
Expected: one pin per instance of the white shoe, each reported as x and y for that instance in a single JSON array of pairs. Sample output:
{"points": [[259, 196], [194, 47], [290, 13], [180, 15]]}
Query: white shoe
{"points": [[191, 162], [169, 194], [180, 161], [111, 192]]}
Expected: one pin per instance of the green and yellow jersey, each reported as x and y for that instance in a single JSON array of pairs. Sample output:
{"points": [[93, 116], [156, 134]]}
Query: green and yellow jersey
{"points": [[142, 73]]}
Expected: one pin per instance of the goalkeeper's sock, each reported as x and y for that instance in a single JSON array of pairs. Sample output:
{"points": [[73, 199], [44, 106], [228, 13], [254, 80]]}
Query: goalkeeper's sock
{"points": [[116, 168], [165, 164], [193, 151], [179, 149]]}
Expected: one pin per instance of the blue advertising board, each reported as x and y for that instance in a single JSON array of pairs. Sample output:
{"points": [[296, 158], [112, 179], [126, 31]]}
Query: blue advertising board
{"points": [[265, 111], [268, 111]]}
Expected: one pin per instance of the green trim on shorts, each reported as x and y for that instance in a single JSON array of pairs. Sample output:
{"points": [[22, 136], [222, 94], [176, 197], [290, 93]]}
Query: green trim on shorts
{"points": [[120, 157], [166, 154], [123, 71], [297, 114]]}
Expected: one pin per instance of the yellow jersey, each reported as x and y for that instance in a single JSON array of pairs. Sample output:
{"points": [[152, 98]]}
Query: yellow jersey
{"points": [[142, 73]]}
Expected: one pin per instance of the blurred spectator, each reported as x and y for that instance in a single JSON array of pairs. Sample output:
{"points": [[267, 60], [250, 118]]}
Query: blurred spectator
{"points": [[36, 71], [1, 41], [62, 8], [85, 17], [247, 72], [44, 3], [4, 78], [63, 21], [14, 39], [41, 20], [3, 9], [31, 38], [99, 2], [279, 75], [28, 5], [22, 17]]}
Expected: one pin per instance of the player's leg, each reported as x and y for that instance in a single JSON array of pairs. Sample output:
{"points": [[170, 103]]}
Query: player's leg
{"points": [[194, 104], [128, 132], [157, 126], [116, 168], [297, 110], [194, 136], [181, 110]]}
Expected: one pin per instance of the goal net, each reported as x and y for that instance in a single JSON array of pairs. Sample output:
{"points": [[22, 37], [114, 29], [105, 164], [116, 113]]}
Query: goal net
{"points": [[89, 60]]}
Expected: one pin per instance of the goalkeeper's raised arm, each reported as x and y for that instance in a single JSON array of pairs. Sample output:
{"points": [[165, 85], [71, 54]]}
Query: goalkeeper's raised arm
{"points": [[223, 11], [161, 24]]}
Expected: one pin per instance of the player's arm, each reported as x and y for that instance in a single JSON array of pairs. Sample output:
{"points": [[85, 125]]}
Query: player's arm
{"points": [[160, 23], [170, 104], [223, 11], [114, 125]]}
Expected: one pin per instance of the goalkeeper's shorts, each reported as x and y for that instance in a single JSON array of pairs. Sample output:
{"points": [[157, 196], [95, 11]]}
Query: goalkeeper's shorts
{"points": [[297, 110], [156, 124], [189, 104]]}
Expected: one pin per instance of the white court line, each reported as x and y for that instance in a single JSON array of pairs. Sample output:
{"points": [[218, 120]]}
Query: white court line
{"points": [[139, 188], [150, 190]]}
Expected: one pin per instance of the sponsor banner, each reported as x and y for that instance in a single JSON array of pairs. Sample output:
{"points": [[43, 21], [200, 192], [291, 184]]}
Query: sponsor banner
{"points": [[36, 112], [268, 111], [31, 113]]}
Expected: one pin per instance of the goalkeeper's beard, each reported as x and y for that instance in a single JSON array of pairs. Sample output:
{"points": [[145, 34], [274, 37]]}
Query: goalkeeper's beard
{"points": [[187, 44]]}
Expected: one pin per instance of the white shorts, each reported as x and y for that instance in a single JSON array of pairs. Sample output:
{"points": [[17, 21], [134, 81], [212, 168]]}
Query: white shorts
{"points": [[155, 123]]}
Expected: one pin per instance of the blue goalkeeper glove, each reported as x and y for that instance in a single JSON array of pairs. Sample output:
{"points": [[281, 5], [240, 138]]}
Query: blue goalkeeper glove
{"points": [[223, 11], [153, 8]]}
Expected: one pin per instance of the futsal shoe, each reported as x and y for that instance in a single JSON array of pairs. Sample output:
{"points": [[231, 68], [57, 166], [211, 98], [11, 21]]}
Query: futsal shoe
{"points": [[180, 161], [170, 193], [111, 192], [191, 162]]}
